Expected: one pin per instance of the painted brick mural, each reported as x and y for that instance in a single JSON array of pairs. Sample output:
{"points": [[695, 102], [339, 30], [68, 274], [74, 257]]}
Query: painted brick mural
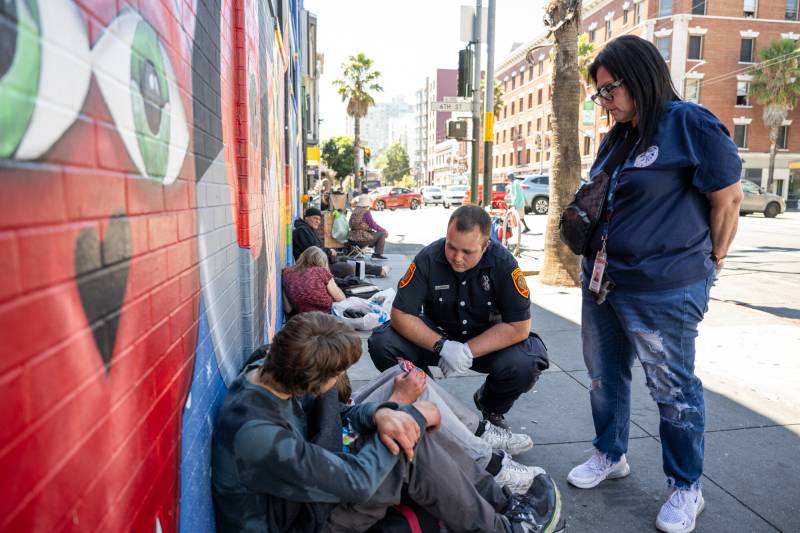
{"points": [[149, 158]]}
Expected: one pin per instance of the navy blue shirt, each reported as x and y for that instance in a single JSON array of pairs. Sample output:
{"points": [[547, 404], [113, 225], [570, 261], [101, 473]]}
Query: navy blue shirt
{"points": [[659, 235], [464, 304]]}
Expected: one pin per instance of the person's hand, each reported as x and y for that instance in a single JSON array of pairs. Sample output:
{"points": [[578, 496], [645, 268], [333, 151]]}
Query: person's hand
{"points": [[397, 431], [408, 386], [433, 418], [333, 252], [455, 358]]}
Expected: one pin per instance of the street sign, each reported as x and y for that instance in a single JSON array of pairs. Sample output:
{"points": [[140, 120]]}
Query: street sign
{"points": [[456, 99], [452, 106], [588, 113]]}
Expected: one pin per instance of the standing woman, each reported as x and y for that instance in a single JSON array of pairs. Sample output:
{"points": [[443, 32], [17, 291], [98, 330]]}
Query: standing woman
{"points": [[670, 216]]}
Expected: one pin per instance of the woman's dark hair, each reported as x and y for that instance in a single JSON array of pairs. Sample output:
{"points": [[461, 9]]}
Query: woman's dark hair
{"points": [[646, 76]]}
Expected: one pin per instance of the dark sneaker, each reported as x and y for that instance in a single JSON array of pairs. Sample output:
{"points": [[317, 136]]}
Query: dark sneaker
{"points": [[539, 510], [495, 419], [379, 256]]}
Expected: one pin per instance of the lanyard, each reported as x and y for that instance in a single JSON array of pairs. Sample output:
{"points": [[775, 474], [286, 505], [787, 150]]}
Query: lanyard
{"points": [[612, 189]]}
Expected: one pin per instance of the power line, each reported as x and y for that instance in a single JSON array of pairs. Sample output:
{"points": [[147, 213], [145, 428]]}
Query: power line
{"points": [[769, 63]]}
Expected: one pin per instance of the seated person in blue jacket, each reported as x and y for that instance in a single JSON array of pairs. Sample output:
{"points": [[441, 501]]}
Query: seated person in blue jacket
{"points": [[275, 467]]}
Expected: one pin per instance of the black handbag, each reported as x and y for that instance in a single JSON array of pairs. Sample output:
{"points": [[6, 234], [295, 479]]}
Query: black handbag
{"points": [[580, 218]]}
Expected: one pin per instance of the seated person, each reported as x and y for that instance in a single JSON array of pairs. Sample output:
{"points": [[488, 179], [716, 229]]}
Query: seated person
{"points": [[305, 235], [491, 447], [309, 285], [364, 231], [271, 473]]}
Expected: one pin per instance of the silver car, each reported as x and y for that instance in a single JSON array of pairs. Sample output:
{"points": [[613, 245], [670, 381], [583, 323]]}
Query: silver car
{"points": [[757, 200], [454, 195], [432, 195], [537, 193]]}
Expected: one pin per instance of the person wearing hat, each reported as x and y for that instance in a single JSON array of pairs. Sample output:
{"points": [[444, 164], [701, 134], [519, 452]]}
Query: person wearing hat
{"points": [[304, 236], [516, 198], [364, 231]]}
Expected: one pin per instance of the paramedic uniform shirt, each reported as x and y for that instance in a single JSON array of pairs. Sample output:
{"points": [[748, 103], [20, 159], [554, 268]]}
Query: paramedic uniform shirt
{"points": [[659, 237], [464, 304]]}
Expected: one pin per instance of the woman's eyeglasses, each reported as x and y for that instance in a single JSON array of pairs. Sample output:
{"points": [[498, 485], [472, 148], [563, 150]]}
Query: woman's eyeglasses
{"points": [[604, 94]]}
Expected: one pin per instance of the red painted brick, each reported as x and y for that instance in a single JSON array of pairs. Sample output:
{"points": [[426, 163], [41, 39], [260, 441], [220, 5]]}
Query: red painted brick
{"points": [[164, 299], [183, 315], [93, 194], [47, 254], [189, 284], [176, 195], [13, 409], [143, 195], [187, 224], [32, 195], [147, 272], [111, 151], [70, 149], [10, 280], [181, 256], [162, 230], [138, 227]]}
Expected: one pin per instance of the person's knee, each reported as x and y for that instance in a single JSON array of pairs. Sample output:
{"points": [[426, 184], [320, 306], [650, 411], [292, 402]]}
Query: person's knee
{"points": [[378, 347]]}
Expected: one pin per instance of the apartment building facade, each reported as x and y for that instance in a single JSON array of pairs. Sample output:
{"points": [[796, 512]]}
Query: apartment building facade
{"points": [[431, 126], [710, 47]]}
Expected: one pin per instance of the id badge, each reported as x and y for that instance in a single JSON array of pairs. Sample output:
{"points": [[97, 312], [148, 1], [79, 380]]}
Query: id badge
{"points": [[597, 271]]}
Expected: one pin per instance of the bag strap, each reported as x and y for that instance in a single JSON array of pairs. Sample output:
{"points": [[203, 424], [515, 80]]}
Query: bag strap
{"points": [[620, 151]]}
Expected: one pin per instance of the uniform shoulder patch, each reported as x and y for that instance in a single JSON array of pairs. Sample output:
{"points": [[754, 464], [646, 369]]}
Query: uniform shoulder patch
{"points": [[406, 279], [519, 283]]}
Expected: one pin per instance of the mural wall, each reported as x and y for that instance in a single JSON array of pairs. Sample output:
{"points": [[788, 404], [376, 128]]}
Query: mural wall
{"points": [[148, 189]]}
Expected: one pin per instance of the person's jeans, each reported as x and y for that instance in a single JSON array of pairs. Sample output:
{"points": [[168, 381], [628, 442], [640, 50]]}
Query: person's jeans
{"points": [[378, 241], [660, 328]]}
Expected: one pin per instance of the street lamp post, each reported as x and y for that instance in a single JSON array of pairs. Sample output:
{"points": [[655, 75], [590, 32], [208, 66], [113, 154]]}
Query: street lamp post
{"points": [[682, 87]]}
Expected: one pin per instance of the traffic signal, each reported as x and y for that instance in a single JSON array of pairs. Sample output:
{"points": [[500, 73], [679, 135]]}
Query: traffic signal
{"points": [[464, 72], [360, 174], [367, 155]]}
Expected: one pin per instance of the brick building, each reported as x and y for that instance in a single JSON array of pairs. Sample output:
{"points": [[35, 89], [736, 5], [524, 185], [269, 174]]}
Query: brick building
{"points": [[709, 46]]}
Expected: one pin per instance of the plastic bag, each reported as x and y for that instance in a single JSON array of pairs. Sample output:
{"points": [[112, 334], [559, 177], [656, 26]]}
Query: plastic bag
{"points": [[376, 310], [340, 229]]}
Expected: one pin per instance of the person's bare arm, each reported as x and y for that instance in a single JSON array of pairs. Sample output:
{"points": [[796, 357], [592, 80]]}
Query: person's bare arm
{"points": [[724, 219], [335, 291], [499, 336], [414, 329], [408, 387]]}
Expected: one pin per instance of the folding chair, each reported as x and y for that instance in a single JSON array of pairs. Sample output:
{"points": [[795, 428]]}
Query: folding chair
{"points": [[356, 251]]}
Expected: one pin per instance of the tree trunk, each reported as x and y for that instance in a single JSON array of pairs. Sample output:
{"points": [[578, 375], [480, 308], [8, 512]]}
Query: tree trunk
{"points": [[773, 148], [773, 116], [356, 150], [561, 266]]}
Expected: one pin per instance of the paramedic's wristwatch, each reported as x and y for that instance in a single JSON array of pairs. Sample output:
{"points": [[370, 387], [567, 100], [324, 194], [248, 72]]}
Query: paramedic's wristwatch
{"points": [[437, 347]]}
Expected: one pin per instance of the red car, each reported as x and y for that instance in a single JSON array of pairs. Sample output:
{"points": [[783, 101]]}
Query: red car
{"points": [[395, 197], [498, 195]]}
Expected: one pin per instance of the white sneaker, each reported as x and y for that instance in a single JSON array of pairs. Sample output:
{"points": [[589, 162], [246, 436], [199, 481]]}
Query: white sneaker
{"points": [[597, 469], [517, 477], [679, 512], [502, 439]]}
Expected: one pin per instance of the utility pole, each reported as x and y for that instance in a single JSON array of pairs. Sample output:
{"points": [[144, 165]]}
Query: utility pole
{"points": [[488, 122], [476, 103]]}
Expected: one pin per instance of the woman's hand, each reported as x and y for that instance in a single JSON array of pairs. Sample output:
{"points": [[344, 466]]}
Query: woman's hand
{"points": [[431, 413], [408, 386], [397, 430]]}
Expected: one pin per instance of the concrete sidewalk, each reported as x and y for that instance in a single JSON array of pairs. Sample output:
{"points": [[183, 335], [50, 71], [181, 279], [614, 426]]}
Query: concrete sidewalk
{"points": [[749, 364]]}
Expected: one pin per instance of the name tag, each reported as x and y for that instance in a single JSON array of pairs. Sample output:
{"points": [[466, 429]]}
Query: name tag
{"points": [[441, 287]]}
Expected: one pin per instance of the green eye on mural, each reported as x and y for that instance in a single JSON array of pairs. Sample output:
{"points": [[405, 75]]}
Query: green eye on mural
{"points": [[150, 99], [20, 61]]}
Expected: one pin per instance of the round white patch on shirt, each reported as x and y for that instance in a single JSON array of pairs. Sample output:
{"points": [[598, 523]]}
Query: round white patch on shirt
{"points": [[646, 158]]}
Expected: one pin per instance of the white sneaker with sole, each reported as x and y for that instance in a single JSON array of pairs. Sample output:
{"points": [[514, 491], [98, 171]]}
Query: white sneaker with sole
{"points": [[680, 511], [502, 439], [517, 477], [598, 468]]}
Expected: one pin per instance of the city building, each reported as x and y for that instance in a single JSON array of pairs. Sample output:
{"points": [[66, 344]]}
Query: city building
{"points": [[431, 126], [311, 70], [709, 45], [450, 163], [376, 127]]}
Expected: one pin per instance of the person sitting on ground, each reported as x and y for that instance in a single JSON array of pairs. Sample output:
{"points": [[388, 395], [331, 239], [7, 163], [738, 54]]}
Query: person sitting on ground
{"points": [[364, 231], [274, 468], [491, 447], [515, 198], [305, 235], [309, 285]]}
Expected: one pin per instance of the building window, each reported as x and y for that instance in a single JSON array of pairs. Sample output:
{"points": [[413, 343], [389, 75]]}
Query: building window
{"points": [[511, 159], [504, 136], [528, 155], [505, 111], [692, 90], [638, 13], [547, 155], [695, 47], [750, 8], [520, 104], [541, 67], [538, 156], [740, 135], [663, 45], [664, 8], [504, 159], [497, 160], [539, 124], [625, 17], [608, 29], [783, 138], [530, 100], [530, 74], [754, 175], [791, 9], [511, 133], [746, 50], [587, 144], [549, 92], [519, 131], [519, 158], [512, 108], [497, 138], [539, 97], [530, 128], [592, 35], [698, 7], [549, 123], [521, 78], [742, 98]]}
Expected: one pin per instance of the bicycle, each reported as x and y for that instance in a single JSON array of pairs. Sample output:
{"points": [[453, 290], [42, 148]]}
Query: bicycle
{"points": [[504, 220]]}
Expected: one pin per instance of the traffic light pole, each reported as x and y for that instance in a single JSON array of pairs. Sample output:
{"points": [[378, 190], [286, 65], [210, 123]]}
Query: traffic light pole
{"points": [[488, 122], [476, 103]]}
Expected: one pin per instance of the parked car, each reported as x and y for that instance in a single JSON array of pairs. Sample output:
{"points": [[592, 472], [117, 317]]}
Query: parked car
{"points": [[432, 195], [396, 197], [454, 195], [757, 200], [537, 193], [498, 194]]}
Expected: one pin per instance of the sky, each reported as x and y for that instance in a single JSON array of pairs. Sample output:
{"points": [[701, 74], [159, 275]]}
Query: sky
{"points": [[408, 40]]}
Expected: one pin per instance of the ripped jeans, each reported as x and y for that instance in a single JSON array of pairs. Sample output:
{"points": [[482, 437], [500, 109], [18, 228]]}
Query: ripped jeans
{"points": [[658, 327]]}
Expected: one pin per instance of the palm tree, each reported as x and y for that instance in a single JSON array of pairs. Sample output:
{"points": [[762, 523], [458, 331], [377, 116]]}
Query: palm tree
{"points": [[776, 86], [586, 53], [355, 86], [562, 17], [499, 92]]}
